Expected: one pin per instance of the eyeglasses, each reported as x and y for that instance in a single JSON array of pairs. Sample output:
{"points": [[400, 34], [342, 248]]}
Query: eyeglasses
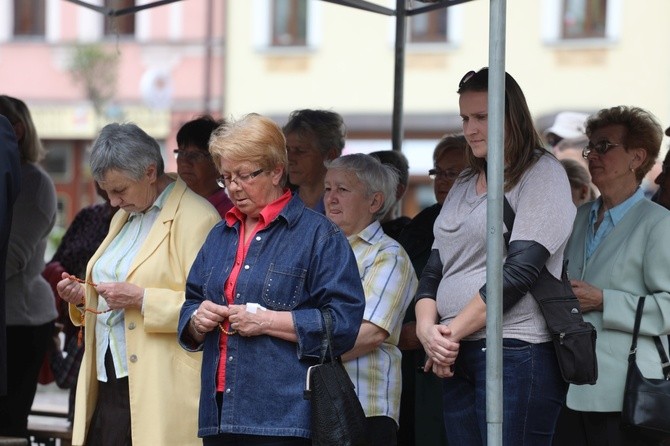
{"points": [[192, 156], [466, 78], [600, 148], [225, 181], [450, 174]]}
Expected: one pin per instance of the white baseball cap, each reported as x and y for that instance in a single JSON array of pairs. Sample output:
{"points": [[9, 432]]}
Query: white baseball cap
{"points": [[568, 125]]}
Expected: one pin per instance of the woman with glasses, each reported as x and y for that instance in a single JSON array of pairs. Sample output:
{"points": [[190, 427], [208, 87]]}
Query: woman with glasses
{"points": [[421, 400], [256, 292], [451, 300], [136, 386], [195, 165], [619, 250], [359, 191]]}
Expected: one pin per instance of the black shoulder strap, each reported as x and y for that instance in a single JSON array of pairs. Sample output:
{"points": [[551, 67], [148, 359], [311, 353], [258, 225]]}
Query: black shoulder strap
{"points": [[508, 216], [508, 219], [636, 329], [665, 363]]}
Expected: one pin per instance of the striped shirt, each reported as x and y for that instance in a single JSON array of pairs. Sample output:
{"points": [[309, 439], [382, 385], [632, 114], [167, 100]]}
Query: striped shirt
{"points": [[389, 282], [113, 266]]}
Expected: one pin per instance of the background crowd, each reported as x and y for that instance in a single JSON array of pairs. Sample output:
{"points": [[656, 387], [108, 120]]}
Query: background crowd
{"points": [[194, 302]]}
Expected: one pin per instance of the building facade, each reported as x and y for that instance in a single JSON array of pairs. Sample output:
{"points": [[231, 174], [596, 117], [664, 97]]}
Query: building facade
{"points": [[231, 57]]}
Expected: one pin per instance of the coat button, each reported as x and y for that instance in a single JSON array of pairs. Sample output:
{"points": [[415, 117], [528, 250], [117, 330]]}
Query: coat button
{"points": [[258, 238], [131, 326], [246, 266], [228, 390], [133, 358]]}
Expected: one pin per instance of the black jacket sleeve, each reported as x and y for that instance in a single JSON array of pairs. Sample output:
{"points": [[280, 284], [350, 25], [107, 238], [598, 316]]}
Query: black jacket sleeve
{"points": [[430, 277], [525, 259]]}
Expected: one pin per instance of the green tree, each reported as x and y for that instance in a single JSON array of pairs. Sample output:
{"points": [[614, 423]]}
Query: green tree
{"points": [[97, 70]]}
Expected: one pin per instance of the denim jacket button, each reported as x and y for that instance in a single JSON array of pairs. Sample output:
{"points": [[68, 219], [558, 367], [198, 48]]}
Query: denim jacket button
{"points": [[230, 358], [258, 238], [228, 390], [246, 266]]}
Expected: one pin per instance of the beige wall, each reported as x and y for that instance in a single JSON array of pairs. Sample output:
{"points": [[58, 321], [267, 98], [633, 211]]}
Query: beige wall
{"points": [[350, 69]]}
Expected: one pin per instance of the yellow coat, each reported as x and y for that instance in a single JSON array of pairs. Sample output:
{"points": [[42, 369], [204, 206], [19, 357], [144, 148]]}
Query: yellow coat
{"points": [[163, 379]]}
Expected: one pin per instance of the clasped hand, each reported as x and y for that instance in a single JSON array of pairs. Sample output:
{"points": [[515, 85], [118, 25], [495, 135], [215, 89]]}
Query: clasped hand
{"points": [[441, 349], [209, 315], [117, 294]]}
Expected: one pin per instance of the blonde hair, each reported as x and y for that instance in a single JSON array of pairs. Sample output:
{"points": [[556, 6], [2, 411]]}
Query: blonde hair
{"points": [[252, 138]]}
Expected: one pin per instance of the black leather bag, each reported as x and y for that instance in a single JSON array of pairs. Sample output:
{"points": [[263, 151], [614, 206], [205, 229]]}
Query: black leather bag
{"points": [[574, 339], [337, 415], [646, 402]]}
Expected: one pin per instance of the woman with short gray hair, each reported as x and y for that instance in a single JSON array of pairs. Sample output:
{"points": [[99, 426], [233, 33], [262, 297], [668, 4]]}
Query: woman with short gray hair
{"points": [[136, 386], [359, 190], [313, 137]]}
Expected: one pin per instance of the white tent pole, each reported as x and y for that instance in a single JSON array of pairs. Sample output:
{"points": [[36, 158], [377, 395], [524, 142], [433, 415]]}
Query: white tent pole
{"points": [[494, 221]]}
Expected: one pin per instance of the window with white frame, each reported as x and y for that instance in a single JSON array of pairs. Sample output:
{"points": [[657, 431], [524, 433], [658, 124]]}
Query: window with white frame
{"points": [[289, 23], [427, 27], [286, 24], [29, 18], [123, 25], [583, 19]]}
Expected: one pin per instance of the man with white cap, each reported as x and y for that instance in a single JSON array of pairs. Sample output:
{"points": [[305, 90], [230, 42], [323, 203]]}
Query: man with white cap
{"points": [[567, 125]]}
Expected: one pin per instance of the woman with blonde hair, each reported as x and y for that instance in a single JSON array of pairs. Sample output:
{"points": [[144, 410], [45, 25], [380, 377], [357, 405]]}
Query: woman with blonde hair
{"points": [[256, 293]]}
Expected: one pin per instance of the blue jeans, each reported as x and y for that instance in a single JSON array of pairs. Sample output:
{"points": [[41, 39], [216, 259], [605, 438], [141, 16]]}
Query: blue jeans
{"points": [[533, 394]]}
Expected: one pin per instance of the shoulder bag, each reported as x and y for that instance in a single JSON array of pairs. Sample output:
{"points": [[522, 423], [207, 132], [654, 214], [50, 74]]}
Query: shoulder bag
{"points": [[574, 339], [337, 417], [646, 401]]}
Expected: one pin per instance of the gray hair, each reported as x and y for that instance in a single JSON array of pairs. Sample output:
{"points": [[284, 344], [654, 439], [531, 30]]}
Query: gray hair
{"points": [[126, 148], [326, 126], [375, 176]]}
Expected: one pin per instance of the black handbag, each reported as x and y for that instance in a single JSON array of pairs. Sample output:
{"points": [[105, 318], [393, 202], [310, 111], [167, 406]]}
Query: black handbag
{"points": [[574, 339], [646, 401], [337, 417]]}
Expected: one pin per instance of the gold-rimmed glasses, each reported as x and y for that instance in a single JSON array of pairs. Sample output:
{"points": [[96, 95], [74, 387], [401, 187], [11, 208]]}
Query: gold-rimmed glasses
{"points": [[225, 180]]}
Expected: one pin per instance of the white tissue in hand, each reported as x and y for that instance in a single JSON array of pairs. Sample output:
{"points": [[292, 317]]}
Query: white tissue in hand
{"points": [[254, 307]]}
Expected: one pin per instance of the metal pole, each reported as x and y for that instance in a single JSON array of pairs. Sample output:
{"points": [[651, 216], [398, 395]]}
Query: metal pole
{"points": [[494, 221], [399, 73]]}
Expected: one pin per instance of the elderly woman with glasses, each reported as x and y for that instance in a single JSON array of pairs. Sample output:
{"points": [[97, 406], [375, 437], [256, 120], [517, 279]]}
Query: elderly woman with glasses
{"points": [[619, 250], [451, 300], [256, 293], [136, 386], [359, 191], [421, 400]]}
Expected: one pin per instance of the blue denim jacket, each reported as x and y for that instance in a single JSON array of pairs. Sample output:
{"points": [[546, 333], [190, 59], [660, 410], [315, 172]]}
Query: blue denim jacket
{"points": [[300, 263]]}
